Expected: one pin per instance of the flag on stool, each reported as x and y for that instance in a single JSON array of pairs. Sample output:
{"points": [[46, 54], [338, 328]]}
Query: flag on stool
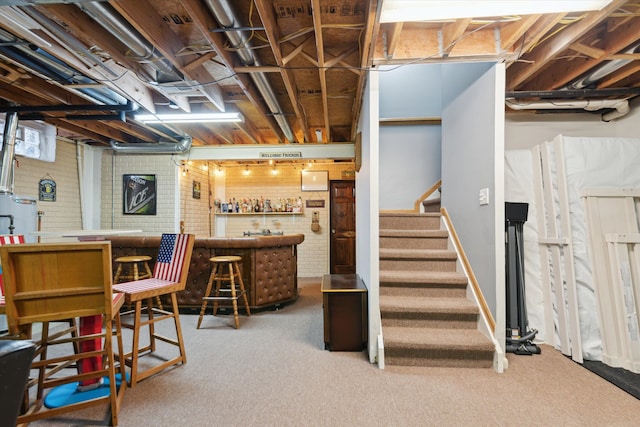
{"points": [[170, 256], [8, 239]]}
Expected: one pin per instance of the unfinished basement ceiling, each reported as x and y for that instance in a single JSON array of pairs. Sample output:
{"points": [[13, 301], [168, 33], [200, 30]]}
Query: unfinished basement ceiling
{"points": [[294, 69]]}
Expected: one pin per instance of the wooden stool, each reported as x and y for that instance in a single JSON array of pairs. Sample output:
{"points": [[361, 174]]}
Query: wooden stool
{"points": [[229, 294], [132, 261], [133, 273]]}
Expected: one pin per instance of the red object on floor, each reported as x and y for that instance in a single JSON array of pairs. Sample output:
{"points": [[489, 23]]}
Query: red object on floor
{"points": [[90, 325]]}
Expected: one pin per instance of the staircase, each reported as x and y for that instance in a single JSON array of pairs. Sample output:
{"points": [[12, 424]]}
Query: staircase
{"points": [[427, 319]]}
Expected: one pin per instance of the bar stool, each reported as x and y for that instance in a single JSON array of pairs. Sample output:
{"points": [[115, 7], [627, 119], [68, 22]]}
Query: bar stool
{"points": [[132, 263], [132, 272], [228, 294]]}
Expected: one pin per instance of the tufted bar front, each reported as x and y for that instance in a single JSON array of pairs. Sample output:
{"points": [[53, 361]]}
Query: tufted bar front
{"points": [[269, 265]]}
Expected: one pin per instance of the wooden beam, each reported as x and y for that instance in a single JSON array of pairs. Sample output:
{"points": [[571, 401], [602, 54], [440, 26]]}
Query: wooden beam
{"points": [[317, 25], [514, 31], [615, 42], [308, 40], [340, 58], [541, 55], [141, 14], [451, 33], [369, 34], [410, 121], [265, 10], [200, 61], [119, 80], [204, 21], [392, 33], [589, 51]]}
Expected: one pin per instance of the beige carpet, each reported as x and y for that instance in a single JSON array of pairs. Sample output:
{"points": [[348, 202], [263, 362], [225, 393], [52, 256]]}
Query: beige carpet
{"points": [[273, 371]]}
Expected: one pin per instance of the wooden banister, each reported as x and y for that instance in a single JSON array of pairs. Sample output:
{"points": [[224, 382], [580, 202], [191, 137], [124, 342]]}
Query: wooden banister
{"points": [[467, 266], [430, 191]]}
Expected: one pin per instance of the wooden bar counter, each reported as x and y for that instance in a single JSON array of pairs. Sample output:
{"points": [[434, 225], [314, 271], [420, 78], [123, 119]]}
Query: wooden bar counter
{"points": [[269, 265]]}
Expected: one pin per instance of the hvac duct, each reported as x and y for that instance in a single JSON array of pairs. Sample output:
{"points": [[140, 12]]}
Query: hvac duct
{"points": [[46, 65], [621, 106], [110, 20], [182, 146], [225, 15]]}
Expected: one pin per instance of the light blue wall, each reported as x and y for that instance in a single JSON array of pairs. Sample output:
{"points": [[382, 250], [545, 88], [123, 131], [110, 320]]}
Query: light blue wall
{"points": [[409, 155], [410, 91], [409, 160], [473, 159]]}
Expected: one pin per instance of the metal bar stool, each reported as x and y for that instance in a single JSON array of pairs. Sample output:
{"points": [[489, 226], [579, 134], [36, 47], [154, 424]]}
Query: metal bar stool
{"points": [[222, 293], [132, 272]]}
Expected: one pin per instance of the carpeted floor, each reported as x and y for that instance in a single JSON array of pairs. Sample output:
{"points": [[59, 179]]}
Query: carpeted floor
{"points": [[274, 371]]}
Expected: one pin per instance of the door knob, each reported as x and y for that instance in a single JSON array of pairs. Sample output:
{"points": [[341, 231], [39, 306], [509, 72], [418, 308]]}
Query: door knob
{"points": [[333, 231]]}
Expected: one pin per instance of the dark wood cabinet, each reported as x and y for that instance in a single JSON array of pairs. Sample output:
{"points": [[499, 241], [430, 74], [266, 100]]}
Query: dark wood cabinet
{"points": [[344, 300]]}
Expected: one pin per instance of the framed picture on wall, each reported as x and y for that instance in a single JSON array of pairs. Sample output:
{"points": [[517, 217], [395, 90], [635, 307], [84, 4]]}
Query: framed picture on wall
{"points": [[315, 181], [139, 194]]}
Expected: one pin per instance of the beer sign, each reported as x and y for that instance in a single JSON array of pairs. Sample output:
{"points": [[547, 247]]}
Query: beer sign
{"points": [[139, 194]]}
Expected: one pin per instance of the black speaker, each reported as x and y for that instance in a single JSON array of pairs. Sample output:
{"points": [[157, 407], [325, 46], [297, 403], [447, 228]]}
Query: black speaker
{"points": [[516, 212]]}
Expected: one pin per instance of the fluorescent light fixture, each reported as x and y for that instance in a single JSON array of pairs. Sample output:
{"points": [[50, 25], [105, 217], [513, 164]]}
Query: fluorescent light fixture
{"points": [[433, 10], [190, 118]]}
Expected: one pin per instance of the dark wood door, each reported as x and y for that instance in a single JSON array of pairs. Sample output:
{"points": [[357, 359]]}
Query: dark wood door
{"points": [[343, 227]]}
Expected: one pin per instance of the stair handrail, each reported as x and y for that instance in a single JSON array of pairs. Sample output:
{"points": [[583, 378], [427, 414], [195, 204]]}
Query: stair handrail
{"points": [[430, 191], [475, 287]]}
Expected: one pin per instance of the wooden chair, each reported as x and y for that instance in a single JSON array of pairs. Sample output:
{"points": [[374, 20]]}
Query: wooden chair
{"points": [[18, 239], [7, 239], [55, 282], [169, 276]]}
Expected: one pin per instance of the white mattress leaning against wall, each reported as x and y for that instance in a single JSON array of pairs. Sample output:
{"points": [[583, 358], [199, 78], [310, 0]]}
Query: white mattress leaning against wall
{"points": [[588, 163]]}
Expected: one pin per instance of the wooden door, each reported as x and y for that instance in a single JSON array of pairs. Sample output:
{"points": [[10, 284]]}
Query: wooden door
{"points": [[343, 227]]}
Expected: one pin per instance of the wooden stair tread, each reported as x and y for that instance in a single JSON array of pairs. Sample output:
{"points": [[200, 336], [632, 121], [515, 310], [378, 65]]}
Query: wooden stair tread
{"points": [[430, 304], [418, 253], [426, 277], [389, 232], [471, 339], [410, 214]]}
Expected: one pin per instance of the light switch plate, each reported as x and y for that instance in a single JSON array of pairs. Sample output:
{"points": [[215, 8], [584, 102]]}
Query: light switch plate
{"points": [[483, 196]]}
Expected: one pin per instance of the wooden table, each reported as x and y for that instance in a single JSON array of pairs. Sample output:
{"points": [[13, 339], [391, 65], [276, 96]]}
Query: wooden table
{"points": [[344, 301]]}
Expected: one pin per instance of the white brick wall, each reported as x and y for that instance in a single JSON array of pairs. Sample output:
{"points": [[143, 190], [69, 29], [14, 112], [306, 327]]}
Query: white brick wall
{"points": [[313, 253], [64, 213], [176, 202], [195, 212], [167, 173]]}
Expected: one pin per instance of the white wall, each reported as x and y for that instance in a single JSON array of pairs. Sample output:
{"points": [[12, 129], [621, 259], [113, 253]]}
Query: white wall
{"points": [[168, 175], [64, 213], [409, 160], [523, 131], [472, 153], [367, 202]]}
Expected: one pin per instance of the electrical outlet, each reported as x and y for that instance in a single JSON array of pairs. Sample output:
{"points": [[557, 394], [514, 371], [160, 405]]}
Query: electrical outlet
{"points": [[483, 196]]}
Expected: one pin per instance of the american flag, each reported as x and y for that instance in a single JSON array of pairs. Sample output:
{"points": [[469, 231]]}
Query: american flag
{"points": [[11, 239], [170, 257]]}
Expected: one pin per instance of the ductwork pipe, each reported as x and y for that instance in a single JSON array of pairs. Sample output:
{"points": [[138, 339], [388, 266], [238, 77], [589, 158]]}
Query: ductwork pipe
{"points": [[226, 17], [109, 19], [621, 109], [621, 106], [8, 151], [183, 145]]}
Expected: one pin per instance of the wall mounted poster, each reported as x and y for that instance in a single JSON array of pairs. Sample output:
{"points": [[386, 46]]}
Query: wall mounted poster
{"points": [[47, 190], [139, 194]]}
